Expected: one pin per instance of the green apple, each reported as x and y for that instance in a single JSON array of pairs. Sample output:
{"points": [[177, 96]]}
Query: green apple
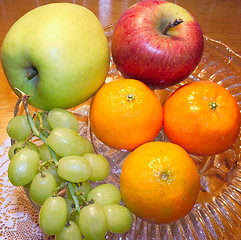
{"points": [[56, 53]]}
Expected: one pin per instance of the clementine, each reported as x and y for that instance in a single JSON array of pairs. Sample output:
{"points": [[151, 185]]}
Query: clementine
{"points": [[202, 117], [125, 114], [159, 182]]}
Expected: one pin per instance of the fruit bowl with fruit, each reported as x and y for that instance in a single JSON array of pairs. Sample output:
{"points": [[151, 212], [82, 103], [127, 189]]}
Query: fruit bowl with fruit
{"points": [[89, 176], [216, 211], [219, 173]]}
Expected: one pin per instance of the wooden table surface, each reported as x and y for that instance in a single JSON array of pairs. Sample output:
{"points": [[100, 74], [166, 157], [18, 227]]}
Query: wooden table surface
{"points": [[219, 19]]}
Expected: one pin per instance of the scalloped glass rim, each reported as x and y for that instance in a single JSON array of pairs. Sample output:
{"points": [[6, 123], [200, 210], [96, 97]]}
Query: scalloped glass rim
{"points": [[226, 48]]}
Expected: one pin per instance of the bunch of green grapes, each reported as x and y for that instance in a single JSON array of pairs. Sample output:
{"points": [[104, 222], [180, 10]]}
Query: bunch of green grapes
{"points": [[59, 175]]}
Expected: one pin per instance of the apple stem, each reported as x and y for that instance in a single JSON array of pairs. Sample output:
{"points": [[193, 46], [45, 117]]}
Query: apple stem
{"points": [[32, 74], [171, 24]]}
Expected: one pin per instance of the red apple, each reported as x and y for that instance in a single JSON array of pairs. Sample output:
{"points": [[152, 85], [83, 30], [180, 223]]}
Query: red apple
{"points": [[145, 46]]}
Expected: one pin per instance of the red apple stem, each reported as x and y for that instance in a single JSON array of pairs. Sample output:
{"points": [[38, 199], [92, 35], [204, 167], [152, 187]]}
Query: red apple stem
{"points": [[171, 24]]}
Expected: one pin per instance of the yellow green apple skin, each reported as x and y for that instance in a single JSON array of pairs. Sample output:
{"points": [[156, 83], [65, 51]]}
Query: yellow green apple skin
{"points": [[64, 45]]}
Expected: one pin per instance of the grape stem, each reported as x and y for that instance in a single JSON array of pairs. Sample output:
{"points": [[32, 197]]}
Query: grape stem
{"points": [[42, 174], [74, 197], [60, 190], [24, 99], [41, 126], [29, 137], [84, 200], [43, 164]]}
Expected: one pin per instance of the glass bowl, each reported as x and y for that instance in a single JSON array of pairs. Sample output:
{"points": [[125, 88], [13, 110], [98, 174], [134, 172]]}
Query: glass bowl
{"points": [[217, 212]]}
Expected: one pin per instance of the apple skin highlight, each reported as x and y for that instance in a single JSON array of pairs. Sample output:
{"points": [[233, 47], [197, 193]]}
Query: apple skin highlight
{"points": [[142, 52]]}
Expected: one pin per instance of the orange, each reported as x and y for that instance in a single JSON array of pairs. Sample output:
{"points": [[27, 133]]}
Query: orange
{"points": [[202, 117], [159, 182], [125, 114]]}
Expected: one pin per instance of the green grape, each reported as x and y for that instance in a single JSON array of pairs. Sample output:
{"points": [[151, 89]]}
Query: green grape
{"points": [[74, 169], [61, 118], [93, 222], [105, 194], [43, 125], [44, 153], [100, 166], [66, 142], [23, 167], [119, 218], [53, 170], [18, 128], [70, 232], [42, 187], [75, 217], [19, 145], [53, 215], [81, 191]]}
